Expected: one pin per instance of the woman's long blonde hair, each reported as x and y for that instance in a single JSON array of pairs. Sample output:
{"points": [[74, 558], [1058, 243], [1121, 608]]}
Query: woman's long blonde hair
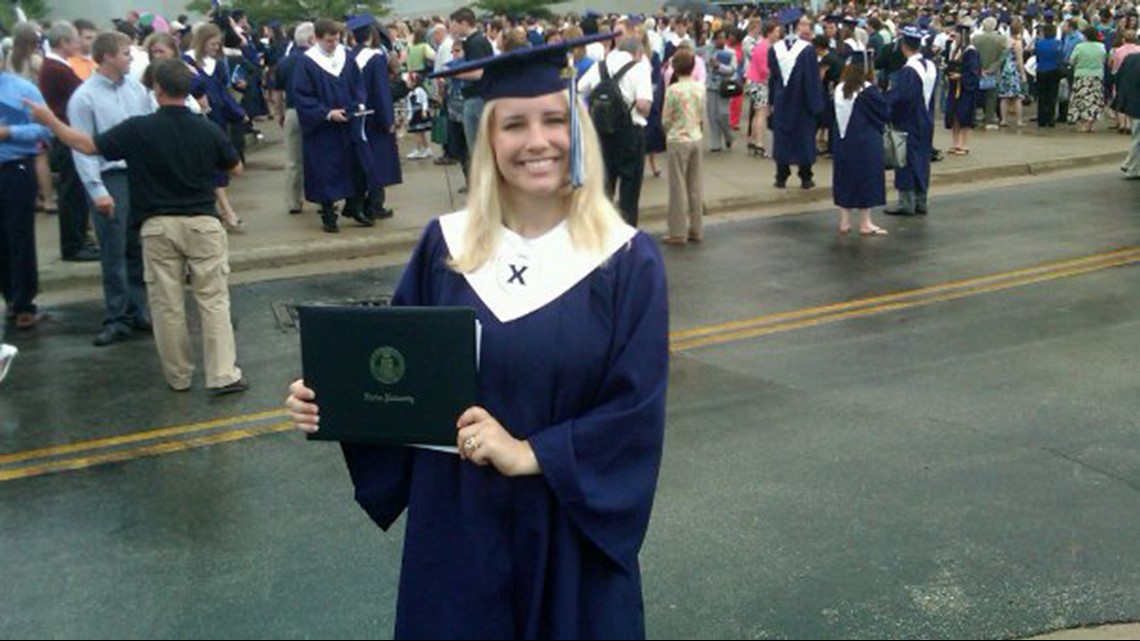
{"points": [[590, 216], [202, 35]]}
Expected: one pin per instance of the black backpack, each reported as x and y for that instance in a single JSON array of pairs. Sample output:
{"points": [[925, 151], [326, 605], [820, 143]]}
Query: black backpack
{"points": [[607, 106]]}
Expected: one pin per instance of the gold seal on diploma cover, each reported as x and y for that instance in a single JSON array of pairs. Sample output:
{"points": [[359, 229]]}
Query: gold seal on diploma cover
{"points": [[387, 365]]}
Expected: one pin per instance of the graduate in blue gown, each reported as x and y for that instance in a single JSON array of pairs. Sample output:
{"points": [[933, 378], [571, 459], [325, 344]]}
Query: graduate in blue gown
{"points": [[533, 530], [963, 73], [859, 176], [796, 97], [911, 102], [328, 93], [381, 166]]}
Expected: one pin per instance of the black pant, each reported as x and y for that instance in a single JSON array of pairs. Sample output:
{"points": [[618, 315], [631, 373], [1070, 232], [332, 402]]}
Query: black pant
{"points": [[19, 272], [364, 201], [624, 155], [783, 171], [72, 199], [1047, 84]]}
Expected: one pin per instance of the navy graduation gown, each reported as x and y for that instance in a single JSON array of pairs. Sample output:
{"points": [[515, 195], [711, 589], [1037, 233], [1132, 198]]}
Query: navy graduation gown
{"points": [[329, 148], [912, 113], [223, 108], [962, 97], [858, 174], [583, 378], [795, 107], [383, 157]]}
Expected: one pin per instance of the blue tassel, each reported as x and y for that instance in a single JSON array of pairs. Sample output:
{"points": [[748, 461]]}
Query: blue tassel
{"points": [[577, 162]]}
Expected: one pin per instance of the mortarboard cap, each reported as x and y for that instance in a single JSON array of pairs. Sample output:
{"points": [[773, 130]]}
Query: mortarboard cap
{"points": [[790, 16], [524, 73], [924, 22], [912, 35], [1031, 11], [1049, 14], [833, 18], [850, 21], [360, 22]]}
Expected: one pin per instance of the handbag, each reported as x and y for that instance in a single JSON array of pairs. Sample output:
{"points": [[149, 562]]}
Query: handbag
{"points": [[730, 88], [987, 82], [439, 126], [894, 148]]}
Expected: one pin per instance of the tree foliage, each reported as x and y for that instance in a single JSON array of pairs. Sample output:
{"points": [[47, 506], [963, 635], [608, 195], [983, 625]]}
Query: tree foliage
{"points": [[35, 10], [294, 10], [536, 8]]}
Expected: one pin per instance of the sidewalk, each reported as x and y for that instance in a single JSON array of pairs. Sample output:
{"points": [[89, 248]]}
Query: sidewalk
{"points": [[733, 181]]}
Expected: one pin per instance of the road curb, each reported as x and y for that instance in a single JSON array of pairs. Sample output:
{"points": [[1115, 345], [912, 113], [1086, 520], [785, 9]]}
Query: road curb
{"points": [[324, 249]]}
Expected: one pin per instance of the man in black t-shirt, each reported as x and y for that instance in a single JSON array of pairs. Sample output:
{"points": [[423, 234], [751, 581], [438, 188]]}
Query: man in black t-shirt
{"points": [[475, 46], [172, 157]]}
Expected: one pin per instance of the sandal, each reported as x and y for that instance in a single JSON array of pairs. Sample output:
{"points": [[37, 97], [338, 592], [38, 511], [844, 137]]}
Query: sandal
{"points": [[874, 231]]}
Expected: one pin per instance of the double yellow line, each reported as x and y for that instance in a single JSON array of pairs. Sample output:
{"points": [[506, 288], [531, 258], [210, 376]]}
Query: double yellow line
{"points": [[184, 437], [167, 440], [813, 316]]}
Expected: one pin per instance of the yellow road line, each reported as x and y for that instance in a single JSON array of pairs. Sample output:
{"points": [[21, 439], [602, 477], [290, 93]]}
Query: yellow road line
{"points": [[157, 449], [237, 428], [886, 298], [135, 437], [820, 319]]}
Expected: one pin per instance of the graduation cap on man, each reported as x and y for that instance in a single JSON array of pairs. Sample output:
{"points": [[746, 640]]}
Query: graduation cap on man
{"points": [[790, 18], [531, 72]]}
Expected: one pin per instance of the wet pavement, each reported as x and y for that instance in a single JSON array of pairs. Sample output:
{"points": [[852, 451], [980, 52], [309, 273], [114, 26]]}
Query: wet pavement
{"points": [[913, 436]]}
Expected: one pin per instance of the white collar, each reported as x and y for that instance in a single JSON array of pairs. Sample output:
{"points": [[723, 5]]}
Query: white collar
{"points": [[855, 45], [332, 64], [927, 73], [527, 274], [55, 56], [787, 56], [844, 107], [208, 64], [364, 55]]}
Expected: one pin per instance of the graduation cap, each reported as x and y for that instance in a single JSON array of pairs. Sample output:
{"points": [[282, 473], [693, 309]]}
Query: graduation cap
{"points": [[790, 16], [861, 58], [360, 22], [532, 72], [1049, 14], [850, 21], [912, 36], [1005, 17], [924, 22], [834, 18], [1031, 11]]}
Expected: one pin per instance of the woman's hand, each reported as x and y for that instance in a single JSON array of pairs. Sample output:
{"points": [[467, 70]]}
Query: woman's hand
{"points": [[483, 441], [304, 412]]}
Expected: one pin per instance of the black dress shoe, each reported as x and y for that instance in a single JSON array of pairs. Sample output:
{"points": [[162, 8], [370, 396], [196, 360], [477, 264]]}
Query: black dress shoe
{"points": [[898, 212], [807, 184], [110, 336], [330, 227], [142, 325], [233, 388], [295, 210], [920, 211], [385, 213], [781, 184], [363, 221], [84, 255]]}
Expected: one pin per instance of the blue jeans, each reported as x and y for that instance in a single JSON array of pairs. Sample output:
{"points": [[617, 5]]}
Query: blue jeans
{"points": [[472, 111], [120, 256]]}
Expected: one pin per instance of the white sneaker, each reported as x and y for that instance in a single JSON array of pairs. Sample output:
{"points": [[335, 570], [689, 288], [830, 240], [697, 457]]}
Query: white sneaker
{"points": [[414, 155], [425, 153], [7, 355]]}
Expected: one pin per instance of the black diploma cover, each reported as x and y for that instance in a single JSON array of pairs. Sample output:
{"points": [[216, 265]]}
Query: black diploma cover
{"points": [[390, 375]]}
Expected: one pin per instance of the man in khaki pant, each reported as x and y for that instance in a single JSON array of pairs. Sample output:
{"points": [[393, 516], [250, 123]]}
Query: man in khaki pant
{"points": [[171, 159]]}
